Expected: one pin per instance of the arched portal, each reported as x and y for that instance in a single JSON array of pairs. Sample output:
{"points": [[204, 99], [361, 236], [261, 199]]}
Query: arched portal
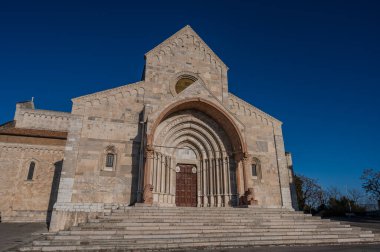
{"points": [[190, 140], [196, 135]]}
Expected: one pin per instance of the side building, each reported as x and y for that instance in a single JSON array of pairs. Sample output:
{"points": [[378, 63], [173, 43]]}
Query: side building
{"points": [[31, 157]]}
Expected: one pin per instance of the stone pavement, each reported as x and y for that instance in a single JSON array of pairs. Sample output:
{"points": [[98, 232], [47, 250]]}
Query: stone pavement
{"points": [[365, 223], [346, 248], [15, 234]]}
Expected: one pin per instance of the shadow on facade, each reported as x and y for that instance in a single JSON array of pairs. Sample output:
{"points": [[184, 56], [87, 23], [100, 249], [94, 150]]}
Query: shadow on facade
{"points": [[54, 190], [137, 144]]}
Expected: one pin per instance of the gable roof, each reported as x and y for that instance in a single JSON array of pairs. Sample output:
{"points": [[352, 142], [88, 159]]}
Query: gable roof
{"points": [[187, 30]]}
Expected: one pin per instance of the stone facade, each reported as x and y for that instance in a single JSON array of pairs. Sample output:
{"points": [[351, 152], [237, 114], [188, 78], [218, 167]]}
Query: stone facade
{"points": [[126, 145], [24, 141]]}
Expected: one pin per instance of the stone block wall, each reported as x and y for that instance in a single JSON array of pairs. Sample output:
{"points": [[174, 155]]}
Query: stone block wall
{"points": [[25, 200], [108, 119], [31, 118], [183, 54], [265, 143]]}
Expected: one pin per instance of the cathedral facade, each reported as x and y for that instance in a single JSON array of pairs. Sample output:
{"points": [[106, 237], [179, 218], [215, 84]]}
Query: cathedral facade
{"points": [[177, 138]]}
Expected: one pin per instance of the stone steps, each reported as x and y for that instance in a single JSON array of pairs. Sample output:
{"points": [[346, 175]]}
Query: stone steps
{"points": [[102, 246], [205, 223], [211, 231], [210, 227], [180, 239], [217, 221], [233, 211], [153, 229], [209, 214], [142, 228], [169, 236]]}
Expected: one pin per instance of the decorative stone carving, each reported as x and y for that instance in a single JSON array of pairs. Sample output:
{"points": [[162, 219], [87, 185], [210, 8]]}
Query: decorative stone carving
{"points": [[248, 198], [133, 92], [179, 39], [149, 152], [240, 107]]}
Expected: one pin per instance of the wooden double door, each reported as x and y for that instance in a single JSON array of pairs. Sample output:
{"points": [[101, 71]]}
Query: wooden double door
{"points": [[186, 186]]}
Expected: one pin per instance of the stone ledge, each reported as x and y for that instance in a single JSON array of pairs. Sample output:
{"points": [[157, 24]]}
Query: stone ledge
{"points": [[81, 207]]}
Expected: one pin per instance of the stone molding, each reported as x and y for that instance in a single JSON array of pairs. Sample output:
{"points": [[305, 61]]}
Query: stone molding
{"points": [[135, 90], [46, 113], [177, 39], [79, 207], [32, 148], [42, 119], [237, 104]]}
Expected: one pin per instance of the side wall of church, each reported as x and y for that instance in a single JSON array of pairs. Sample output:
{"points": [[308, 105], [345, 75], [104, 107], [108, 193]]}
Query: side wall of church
{"points": [[265, 145], [106, 121], [24, 200], [41, 119]]}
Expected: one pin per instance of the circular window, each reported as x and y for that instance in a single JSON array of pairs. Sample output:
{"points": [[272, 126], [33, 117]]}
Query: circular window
{"points": [[182, 84]]}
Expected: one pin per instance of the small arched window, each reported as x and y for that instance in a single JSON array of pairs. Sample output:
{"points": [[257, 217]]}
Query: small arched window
{"points": [[256, 168], [109, 159], [32, 165]]}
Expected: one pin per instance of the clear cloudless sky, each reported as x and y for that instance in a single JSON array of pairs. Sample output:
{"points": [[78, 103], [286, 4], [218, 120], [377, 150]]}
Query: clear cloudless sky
{"points": [[315, 65]]}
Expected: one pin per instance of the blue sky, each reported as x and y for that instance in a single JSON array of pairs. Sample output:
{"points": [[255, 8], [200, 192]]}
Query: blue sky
{"points": [[312, 64]]}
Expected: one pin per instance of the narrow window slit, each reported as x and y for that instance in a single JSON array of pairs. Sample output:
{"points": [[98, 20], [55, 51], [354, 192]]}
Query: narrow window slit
{"points": [[31, 171], [254, 170]]}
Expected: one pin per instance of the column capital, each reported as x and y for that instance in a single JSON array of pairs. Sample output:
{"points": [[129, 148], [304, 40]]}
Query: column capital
{"points": [[247, 157], [242, 156], [149, 147], [149, 151]]}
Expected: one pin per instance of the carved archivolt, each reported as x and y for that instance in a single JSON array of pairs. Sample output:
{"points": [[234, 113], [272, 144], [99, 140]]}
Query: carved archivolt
{"points": [[196, 131], [193, 138]]}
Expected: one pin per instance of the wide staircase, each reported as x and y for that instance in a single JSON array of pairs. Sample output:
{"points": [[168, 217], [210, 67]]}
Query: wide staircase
{"points": [[152, 228]]}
